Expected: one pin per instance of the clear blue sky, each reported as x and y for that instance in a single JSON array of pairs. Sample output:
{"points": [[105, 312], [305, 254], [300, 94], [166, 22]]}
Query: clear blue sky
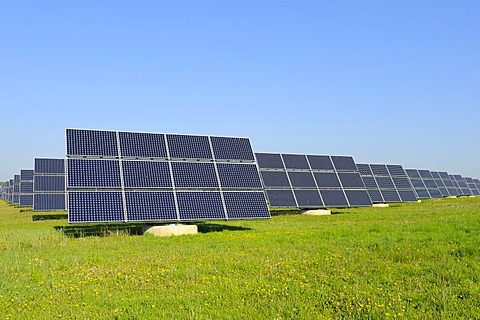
{"points": [[383, 81]]}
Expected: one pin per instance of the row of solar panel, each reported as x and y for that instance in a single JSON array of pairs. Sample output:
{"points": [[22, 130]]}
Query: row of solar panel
{"points": [[109, 206], [98, 143], [328, 198], [305, 162]]}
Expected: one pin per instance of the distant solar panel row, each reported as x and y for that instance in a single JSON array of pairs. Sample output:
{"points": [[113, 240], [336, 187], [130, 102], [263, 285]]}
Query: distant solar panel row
{"points": [[49, 184], [132, 176], [311, 181], [386, 183]]}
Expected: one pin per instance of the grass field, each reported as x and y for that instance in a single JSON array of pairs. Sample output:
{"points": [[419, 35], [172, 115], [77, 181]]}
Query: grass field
{"points": [[412, 261]]}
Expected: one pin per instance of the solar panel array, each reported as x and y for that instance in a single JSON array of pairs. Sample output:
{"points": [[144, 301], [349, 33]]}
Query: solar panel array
{"points": [[311, 181], [49, 184], [26, 188], [133, 176], [463, 188], [386, 183]]}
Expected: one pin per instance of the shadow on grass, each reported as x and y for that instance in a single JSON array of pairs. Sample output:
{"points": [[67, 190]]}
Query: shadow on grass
{"points": [[58, 216], [106, 230]]}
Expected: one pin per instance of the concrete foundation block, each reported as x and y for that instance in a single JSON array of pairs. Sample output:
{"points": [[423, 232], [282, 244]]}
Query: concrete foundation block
{"points": [[380, 205], [452, 197], [317, 212], [171, 230]]}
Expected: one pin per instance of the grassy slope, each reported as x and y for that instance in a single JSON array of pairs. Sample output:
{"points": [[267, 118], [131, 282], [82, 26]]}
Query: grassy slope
{"points": [[407, 261]]}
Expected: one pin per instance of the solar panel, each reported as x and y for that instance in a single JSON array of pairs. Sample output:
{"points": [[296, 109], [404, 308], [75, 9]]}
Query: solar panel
{"points": [[370, 182], [396, 170], [275, 179], [26, 187], [334, 198], [295, 161], [26, 200], [327, 180], [385, 182], [425, 174], [49, 184], [401, 183], [228, 148], [45, 166], [280, 198], [26, 175], [358, 198], [300, 179], [407, 195], [390, 195], [435, 193], [320, 162], [162, 177], [351, 180], [343, 163], [422, 193], [48, 201], [269, 160], [91, 143], [430, 184], [379, 170], [142, 145], [308, 198], [412, 173], [364, 169]]}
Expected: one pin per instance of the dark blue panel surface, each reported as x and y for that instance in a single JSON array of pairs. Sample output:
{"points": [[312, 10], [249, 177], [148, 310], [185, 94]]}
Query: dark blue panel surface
{"points": [[407, 196], [439, 183], [228, 148], [379, 170], [422, 193], [448, 183], [351, 180], [281, 198], [194, 175], [49, 183], [384, 182], [334, 198], [308, 199], [295, 161], [402, 183], [412, 173], [425, 174], [318, 162], [444, 175], [146, 174], [358, 198], [301, 179], [44, 165], [430, 183], [150, 206], [275, 179], [327, 180], [369, 182], [142, 145], [93, 173], [364, 169], [390, 195], [100, 206], [189, 147], [435, 193], [241, 205], [435, 174], [343, 163], [396, 170], [242, 176], [26, 175], [417, 183], [375, 195], [16, 178], [91, 143], [269, 160], [26, 200], [26, 187], [443, 191], [200, 205], [48, 201]]}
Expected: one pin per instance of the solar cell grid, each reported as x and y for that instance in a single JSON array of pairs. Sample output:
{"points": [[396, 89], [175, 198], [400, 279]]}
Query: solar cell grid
{"points": [[425, 174], [430, 183], [45, 165], [146, 174], [241, 205], [364, 169], [384, 182], [269, 160], [241, 176], [91, 143], [407, 195], [26, 200], [142, 145], [390, 195], [370, 182], [343, 163], [26, 175], [275, 179], [417, 183], [308, 198], [300, 179], [196, 205], [48, 201], [93, 173], [26, 187], [379, 170], [327, 180], [351, 180], [150, 206], [95, 206], [412, 173], [334, 198], [402, 183], [422, 193], [232, 148], [189, 147], [194, 175], [295, 161], [396, 170], [49, 183], [320, 162], [281, 198], [358, 198]]}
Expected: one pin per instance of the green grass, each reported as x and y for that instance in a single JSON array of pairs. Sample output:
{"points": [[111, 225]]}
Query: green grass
{"points": [[411, 261]]}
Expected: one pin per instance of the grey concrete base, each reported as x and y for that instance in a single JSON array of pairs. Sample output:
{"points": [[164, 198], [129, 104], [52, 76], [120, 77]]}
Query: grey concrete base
{"points": [[452, 197], [170, 230], [380, 205], [317, 212], [471, 196], [419, 200]]}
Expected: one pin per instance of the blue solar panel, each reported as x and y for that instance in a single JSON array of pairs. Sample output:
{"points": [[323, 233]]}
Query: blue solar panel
{"points": [[91, 143], [364, 169], [93, 173], [227, 148], [370, 182], [26, 200], [435, 193], [407, 195], [379, 170], [443, 191], [301, 179], [269, 160], [44, 165], [16, 178], [327, 180], [295, 161], [241, 176], [241, 205], [396, 170], [375, 195], [48, 201], [194, 175], [430, 183], [439, 183], [342, 163], [189, 147], [26, 175], [275, 179], [320, 162], [334, 198], [281, 198], [16, 188], [425, 174], [150, 206], [422, 193], [308, 198], [142, 145], [95, 206], [412, 173], [390, 195], [384, 182], [49, 183], [200, 205], [358, 198], [351, 180], [402, 183], [146, 174], [16, 198], [417, 183], [26, 187], [435, 175]]}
